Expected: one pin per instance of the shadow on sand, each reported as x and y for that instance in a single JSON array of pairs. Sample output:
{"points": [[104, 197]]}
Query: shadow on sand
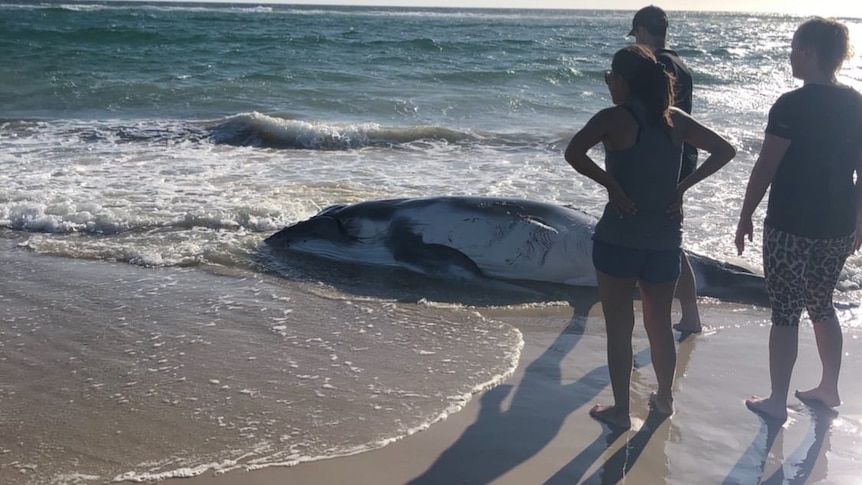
{"points": [[499, 441], [807, 464]]}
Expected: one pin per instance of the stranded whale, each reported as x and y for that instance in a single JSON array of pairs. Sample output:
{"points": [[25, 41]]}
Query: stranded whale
{"points": [[498, 238]]}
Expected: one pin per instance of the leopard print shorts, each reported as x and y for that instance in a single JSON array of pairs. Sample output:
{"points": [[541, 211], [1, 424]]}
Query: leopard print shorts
{"points": [[802, 273]]}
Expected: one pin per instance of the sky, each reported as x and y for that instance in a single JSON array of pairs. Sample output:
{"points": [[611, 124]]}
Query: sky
{"points": [[837, 8]]}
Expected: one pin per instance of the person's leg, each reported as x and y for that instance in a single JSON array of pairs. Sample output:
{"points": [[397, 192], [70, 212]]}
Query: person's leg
{"points": [[784, 260], [618, 306], [686, 288], [657, 299], [783, 348], [824, 269], [686, 293], [830, 342], [658, 282]]}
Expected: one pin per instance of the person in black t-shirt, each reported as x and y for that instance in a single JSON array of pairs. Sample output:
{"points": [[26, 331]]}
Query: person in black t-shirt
{"points": [[810, 152], [649, 28]]}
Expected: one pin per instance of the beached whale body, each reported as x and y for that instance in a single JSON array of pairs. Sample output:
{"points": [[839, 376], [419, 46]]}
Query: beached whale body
{"points": [[500, 238]]}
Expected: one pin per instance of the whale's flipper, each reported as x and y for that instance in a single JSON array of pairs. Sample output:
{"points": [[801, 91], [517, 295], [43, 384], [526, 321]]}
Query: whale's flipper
{"points": [[409, 249]]}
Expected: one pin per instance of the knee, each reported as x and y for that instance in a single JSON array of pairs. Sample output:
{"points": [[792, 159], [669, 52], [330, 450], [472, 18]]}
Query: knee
{"points": [[786, 319], [823, 316]]}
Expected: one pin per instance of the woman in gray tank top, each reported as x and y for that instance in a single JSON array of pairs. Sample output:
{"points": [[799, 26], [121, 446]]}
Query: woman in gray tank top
{"points": [[637, 241]]}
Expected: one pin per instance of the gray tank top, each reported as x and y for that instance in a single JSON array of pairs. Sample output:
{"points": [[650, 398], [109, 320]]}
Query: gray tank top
{"points": [[648, 172]]}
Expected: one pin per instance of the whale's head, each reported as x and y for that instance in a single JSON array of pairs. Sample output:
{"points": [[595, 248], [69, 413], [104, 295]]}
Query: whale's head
{"points": [[317, 228], [340, 232]]}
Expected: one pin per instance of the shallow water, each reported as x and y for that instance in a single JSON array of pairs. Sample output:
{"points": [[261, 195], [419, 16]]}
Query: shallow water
{"points": [[145, 373]]}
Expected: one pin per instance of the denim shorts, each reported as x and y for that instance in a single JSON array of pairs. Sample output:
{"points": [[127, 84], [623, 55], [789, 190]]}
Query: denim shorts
{"points": [[651, 265]]}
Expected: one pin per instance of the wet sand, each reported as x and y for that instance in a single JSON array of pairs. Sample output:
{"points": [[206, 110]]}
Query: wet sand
{"points": [[121, 396], [535, 428]]}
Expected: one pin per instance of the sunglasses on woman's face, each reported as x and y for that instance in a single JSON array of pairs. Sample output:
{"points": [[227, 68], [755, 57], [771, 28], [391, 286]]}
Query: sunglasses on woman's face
{"points": [[608, 75]]}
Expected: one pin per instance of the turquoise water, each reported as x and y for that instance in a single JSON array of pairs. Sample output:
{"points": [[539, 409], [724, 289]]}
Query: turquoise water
{"points": [[174, 138]]}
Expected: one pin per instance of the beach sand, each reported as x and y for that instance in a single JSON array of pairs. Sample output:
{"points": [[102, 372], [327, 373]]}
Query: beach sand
{"points": [[535, 428]]}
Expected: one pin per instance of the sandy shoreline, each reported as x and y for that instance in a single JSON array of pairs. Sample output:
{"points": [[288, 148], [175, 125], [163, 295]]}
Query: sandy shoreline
{"points": [[535, 428], [532, 429]]}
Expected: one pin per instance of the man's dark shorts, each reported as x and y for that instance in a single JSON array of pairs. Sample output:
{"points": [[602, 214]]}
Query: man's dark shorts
{"points": [[653, 266]]}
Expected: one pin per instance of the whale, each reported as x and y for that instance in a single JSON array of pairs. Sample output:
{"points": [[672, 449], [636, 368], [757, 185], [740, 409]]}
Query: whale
{"points": [[497, 238]]}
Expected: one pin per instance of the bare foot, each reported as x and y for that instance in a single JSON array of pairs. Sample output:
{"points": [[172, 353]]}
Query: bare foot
{"points": [[611, 416], [662, 406], [817, 396], [688, 326], [767, 408]]}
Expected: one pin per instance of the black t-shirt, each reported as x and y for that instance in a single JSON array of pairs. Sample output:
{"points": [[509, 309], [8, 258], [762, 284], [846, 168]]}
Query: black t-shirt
{"points": [[682, 93], [813, 193], [683, 86]]}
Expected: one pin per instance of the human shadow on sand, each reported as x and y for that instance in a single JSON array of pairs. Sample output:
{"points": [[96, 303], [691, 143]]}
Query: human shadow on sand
{"points": [[535, 415], [767, 449], [499, 441], [619, 463]]}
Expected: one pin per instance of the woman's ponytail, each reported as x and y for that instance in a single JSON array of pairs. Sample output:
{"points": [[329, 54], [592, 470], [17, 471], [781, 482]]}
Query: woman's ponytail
{"points": [[648, 81]]}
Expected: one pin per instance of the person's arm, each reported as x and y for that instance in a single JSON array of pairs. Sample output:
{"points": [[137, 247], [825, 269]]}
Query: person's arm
{"points": [[858, 242], [594, 132], [771, 154], [720, 150], [695, 134]]}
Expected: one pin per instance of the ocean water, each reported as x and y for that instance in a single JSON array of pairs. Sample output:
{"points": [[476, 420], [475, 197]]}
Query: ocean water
{"points": [[174, 138]]}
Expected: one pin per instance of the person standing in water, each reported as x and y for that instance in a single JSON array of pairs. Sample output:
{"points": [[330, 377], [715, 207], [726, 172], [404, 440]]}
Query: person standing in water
{"points": [[811, 150], [637, 241], [649, 28]]}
